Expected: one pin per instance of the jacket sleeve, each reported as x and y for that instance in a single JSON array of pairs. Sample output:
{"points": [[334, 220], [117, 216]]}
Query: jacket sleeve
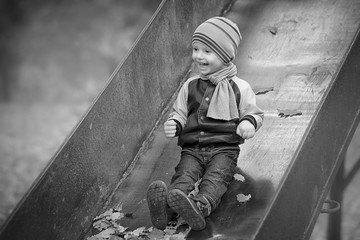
{"points": [[248, 108], [180, 111]]}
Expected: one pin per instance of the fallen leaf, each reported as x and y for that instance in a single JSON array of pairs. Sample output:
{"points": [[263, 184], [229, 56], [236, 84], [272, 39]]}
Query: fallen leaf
{"points": [[115, 216], [239, 177], [156, 234], [243, 198], [195, 191], [138, 231], [285, 113], [111, 230], [107, 233], [119, 228], [101, 224], [101, 216]]}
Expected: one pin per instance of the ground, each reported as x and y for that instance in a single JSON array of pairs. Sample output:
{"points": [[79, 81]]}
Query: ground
{"points": [[63, 56]]}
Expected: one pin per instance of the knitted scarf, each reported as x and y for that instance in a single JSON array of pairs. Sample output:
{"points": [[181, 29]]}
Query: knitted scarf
{"points": [[223, 102]]}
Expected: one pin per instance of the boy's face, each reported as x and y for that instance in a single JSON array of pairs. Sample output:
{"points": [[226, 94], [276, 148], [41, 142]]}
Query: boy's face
{"points": [[205, 59]]}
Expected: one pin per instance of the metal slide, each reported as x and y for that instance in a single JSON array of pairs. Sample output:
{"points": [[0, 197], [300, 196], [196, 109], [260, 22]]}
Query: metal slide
{"points": [[302, 59]]}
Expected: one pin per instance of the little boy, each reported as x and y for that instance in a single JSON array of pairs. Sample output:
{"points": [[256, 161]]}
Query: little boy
{"points": [[213, 114]]}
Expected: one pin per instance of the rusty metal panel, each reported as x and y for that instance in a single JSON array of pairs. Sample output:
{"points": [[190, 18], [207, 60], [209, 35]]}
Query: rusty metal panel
{"points": [[87, 168]]}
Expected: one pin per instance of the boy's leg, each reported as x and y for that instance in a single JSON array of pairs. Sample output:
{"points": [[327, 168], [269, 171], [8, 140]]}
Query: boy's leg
{"points": [[215, 181], [188, 171], [187, 208], [217, 177]]}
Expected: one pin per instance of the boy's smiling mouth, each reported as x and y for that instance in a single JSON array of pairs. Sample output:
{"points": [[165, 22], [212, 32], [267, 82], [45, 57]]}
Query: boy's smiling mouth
{"points": [[202, 63], [202, 66]]}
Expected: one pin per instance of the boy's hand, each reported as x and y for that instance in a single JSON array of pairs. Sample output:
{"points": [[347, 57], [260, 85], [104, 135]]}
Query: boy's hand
{"points": [[170, 128], [245, 129]]}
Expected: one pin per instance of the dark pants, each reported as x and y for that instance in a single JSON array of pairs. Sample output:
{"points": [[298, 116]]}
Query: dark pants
{"points": [[214, 165]]}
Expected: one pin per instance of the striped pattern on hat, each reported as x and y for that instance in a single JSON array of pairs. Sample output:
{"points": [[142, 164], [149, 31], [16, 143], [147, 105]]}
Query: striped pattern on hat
{"points": [[221, 35]]}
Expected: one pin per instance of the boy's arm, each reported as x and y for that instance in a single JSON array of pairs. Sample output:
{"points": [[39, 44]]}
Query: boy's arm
{"points": [[248, 108], [180, 111]]}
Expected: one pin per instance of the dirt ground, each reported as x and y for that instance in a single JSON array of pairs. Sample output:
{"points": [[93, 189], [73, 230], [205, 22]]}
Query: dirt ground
{"points": [[61, 57]]}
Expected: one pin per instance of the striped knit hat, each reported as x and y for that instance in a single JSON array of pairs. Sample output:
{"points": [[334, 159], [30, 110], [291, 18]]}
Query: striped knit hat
{"points": [[221, 35]]}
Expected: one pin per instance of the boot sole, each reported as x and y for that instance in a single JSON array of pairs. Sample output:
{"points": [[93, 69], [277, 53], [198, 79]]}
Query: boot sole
{"points": [[187, 209], [156, 197]]}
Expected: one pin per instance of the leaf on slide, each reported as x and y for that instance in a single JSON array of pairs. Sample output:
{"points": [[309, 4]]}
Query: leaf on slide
{"points": [[241, 198], [105, 234], [239, 177], [110, 229]]}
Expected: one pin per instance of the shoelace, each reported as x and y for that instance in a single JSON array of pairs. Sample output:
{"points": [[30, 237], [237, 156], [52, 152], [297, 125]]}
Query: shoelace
{"points": [[205, 208]]}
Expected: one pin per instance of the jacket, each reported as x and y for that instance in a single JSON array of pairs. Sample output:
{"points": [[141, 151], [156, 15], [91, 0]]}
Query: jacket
{"points": [[195, 128]]}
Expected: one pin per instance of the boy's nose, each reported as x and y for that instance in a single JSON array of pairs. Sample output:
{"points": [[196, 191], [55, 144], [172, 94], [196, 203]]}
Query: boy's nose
{"points": [[199, 55]]}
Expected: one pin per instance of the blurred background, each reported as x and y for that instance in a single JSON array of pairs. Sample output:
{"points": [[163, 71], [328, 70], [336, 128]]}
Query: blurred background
{"points": [[55, 58]]}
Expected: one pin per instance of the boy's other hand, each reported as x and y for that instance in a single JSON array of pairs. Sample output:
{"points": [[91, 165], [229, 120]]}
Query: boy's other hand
{"points": [[245, 129], [170, 128]]}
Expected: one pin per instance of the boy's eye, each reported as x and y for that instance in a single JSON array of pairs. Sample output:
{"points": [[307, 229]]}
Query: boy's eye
{"points": [[195, 49]]}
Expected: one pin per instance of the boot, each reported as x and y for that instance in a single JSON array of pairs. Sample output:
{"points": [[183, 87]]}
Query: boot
{"points": [[203, 204], [187, 209], [156, 197]]}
